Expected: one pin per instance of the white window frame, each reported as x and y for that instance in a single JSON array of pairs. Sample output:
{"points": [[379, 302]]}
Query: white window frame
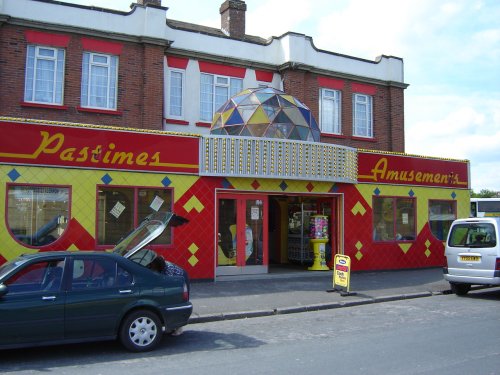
{"points": [[212, 94], [171, 93], [362, 109], [37, 75], [92, 97], [330, 122]]}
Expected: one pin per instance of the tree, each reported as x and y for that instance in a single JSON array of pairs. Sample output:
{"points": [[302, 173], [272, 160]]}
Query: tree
{"points": [[485, 193]]}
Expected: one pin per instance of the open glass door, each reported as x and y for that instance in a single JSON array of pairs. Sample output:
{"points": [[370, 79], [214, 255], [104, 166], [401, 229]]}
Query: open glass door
{"points": [[241, 234]]}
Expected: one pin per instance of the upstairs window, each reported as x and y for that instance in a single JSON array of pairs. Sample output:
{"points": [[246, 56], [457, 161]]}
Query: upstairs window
{"points": [[363, 116], [99, 81], [215, 91], [176, 93], [330, 111], [44, 75]]}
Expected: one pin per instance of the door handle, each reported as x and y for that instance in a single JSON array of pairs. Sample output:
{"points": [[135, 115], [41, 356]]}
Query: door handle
{"points": [[48, 298], [126, 291]]}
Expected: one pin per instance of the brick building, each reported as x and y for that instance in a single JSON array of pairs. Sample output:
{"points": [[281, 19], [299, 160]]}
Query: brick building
{"points": [[159, 69], [114, 111]]}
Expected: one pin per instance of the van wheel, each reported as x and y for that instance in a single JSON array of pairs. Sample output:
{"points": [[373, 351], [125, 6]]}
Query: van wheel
{"points": [[460, 289], [141, 331]]}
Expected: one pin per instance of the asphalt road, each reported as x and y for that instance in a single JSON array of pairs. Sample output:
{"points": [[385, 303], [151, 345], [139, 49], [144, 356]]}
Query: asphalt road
{"points": [[442, 334]]}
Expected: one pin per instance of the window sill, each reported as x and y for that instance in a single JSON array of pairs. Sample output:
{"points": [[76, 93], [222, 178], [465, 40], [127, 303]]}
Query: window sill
{"points": [[365, 139], [47, 106], [172, 121], [102, 111], [203, 124], [332, 135]]}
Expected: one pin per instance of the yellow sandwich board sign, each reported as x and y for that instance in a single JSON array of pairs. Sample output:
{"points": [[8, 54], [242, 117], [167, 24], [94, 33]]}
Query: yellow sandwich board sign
{"points": [[342, 274]]}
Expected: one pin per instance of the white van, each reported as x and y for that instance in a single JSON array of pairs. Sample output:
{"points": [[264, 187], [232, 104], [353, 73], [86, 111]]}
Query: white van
{"points": [[473, 254]]}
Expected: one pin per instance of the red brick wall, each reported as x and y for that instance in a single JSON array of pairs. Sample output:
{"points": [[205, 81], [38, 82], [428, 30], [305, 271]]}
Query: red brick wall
{"points": [[140, 83], [388, 111]]}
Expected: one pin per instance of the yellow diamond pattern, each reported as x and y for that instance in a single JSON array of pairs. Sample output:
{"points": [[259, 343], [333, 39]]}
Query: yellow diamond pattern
{"points": [[193, 260], [405, 247], [358, 209], [359, 255], [193, 203], [193, 248], [359, 245], [427, 252]]}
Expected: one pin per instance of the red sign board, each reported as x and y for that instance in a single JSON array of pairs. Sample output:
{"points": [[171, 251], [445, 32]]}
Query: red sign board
{"points": [[412, 170], [83, 147]]}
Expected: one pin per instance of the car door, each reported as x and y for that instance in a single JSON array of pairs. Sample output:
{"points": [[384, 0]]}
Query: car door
{"points": [[99, 292], [32, 311]]}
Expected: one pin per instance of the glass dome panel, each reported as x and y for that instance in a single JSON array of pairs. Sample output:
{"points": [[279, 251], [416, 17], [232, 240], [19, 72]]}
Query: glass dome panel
{"points": [[266, 112]]}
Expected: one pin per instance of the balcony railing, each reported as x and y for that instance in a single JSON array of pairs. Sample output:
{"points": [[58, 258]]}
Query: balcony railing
{"points": [[277, 158]]}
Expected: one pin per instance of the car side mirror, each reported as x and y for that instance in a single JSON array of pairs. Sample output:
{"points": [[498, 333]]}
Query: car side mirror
{"points": [[3, 290]]}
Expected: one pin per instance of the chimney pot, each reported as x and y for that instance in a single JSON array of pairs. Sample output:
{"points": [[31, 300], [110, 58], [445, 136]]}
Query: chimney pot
{"points": [[233, 18]]}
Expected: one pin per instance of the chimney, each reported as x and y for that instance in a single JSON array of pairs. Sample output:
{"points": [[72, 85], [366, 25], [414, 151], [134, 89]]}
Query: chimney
{"points": [[149, 2], [232, 14]]}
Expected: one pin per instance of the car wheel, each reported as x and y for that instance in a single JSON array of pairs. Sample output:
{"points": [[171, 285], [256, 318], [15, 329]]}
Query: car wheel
{"points": [[141, 331], [460, 289]]}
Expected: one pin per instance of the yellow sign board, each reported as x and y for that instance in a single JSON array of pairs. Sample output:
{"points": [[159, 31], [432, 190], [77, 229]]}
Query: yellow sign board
{"points": [[341, 272]]}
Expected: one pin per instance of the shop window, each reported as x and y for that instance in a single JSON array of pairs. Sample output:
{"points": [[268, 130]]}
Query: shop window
{"points": [[37, 215], [441, 215], [121, 209], [176, 93], [215, 91], [330, 111], [393, 219], [44, 75], [99, 81], [363, 116]]}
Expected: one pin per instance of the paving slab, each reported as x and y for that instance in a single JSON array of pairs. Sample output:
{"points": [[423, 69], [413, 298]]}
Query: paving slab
{"points": [[287, 291]]}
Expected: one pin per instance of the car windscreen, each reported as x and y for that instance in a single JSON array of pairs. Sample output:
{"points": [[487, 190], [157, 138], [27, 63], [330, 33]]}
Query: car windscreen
{"points": [[8, 266], [472, 235]]}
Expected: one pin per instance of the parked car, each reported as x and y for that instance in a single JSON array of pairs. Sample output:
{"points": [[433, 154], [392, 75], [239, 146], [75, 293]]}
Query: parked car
{"points": [[75, 296], [473, 254]]}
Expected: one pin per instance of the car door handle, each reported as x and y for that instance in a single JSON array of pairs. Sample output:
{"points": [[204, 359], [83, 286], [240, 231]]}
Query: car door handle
{"points": [[126, 291], [48, 298]]}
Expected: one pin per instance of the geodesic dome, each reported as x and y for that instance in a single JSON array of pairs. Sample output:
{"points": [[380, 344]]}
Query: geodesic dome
{"points": [[265, 112]]}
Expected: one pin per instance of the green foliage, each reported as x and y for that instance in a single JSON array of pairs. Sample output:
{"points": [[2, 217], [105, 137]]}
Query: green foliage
{"points": [[485, 193]]}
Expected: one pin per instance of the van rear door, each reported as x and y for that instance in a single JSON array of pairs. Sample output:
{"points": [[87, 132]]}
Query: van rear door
{"points": [[472, 248]]}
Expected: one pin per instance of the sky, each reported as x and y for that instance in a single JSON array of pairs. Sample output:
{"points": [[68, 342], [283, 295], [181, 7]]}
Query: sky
{"points": [[450, 49]]}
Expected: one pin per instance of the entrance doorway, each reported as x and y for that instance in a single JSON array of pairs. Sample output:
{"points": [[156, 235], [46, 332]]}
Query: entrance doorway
{"points": [[289, 228], [242, 236], [255, 230]]}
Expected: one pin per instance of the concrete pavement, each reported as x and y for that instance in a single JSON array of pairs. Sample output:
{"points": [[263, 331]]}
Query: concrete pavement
{"points": [[286, 290]]}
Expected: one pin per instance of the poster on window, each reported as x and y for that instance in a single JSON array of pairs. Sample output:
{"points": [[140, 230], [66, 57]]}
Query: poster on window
{"points": [[117, 210], [404, 218], [156, 203], [255, 213]]}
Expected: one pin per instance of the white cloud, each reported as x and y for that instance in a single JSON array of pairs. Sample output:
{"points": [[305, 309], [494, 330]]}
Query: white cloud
{"points": [[458, 127], [368, 29], [276, 17]]}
